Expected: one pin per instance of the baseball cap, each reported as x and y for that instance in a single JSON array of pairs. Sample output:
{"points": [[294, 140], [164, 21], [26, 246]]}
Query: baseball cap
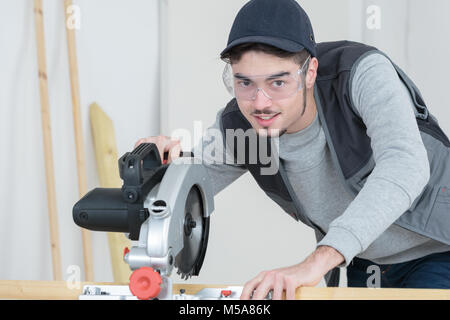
{"points": [[279, 23]]}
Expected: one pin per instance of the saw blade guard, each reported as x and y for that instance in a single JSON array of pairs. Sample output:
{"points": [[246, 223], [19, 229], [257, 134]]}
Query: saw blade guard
{"points": [[162, 235]]}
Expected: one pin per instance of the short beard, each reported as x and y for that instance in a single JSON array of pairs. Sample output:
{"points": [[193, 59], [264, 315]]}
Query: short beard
{"points": [[304, 101], [283, 131]]}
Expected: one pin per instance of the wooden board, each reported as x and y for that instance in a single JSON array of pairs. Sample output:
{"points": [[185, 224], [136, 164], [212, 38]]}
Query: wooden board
{"points": [[59, 290], [79, 142], [47, 142], [108, 171]]}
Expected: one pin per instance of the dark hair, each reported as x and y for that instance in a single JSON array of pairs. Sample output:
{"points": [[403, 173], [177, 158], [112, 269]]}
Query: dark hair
{"points": [[234, 54]]}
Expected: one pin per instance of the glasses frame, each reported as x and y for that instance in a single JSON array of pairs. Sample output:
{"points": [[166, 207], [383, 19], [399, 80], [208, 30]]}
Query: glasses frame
{"points": [[228, 80]]}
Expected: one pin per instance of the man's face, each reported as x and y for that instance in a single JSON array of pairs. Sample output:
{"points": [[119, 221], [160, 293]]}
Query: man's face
{"points": [[268, 116]]}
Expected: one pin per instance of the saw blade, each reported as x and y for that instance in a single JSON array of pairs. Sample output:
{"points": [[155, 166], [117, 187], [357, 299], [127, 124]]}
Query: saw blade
{"points": [[195, 236]]}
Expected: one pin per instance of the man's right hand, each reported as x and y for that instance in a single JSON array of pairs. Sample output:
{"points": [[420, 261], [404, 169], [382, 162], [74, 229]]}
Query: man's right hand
{"points": [[164, 144]]}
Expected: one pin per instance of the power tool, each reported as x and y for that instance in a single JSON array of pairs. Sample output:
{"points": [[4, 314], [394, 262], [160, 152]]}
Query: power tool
{"points": [[164, 208]]}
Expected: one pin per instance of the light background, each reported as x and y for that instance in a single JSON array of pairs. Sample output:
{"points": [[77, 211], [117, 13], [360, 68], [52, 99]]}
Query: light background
{"points": [[153, 66]]}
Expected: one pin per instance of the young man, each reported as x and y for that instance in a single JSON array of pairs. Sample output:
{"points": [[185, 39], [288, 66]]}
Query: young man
{"points": [[361, 160]]}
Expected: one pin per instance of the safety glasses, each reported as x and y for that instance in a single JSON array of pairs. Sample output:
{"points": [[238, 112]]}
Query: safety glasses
{"points": [[274, 86]]}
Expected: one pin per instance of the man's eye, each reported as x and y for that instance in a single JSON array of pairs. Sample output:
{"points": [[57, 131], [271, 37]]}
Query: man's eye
{"points": [[244, 83], [278, 83]]}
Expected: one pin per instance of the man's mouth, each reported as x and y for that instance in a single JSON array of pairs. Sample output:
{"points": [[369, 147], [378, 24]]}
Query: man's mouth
{"points": [[266, 120]]}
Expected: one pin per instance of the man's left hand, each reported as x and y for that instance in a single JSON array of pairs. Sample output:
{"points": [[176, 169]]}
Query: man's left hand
{"points": [[307, 273]]}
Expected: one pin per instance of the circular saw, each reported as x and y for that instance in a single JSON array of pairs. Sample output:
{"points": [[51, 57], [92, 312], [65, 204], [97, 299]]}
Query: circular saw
{"points": [[164, 207]]}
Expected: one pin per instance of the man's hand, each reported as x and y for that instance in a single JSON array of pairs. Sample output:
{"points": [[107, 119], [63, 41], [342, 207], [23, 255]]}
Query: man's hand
{"points": [[164, 144], [307, 273]]}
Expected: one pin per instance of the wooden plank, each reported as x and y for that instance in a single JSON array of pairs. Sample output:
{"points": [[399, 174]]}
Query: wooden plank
{"points": [[47, 142], [79, 144], [308, 293], [62, 290], [59, 290], [107, 166], [40, 290]]}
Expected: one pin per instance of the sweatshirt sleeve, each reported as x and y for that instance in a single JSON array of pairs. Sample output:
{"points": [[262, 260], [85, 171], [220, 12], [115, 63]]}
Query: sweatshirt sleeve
{"points": [[401, 163], [218, 161]]}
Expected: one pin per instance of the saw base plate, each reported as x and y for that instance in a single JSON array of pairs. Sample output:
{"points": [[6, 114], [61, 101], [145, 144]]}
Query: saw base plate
{"points": [[113, 292]]}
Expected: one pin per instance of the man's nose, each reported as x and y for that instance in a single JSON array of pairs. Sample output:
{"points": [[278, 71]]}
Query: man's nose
{"points": [[261, 99]]}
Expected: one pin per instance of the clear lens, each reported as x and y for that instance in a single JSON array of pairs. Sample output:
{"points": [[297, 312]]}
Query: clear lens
{"points": [[275, 87]]}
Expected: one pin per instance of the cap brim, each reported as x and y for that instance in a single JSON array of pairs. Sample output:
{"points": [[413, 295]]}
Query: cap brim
{"points": [[284, 44]]}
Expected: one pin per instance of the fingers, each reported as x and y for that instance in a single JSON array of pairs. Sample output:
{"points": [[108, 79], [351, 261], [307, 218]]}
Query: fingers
{"points": [[138, 143], [264, 287], [290, 291], [276, 280], [250, 286], [278, 289], [166, 144], [261, 285], [174, 151], [163, 144]]}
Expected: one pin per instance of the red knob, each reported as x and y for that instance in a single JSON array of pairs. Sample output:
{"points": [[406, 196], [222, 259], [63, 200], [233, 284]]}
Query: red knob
{"points": [[145, 283], [225, 293]]}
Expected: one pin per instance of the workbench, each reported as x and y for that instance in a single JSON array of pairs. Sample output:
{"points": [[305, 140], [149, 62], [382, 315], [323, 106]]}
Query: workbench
{"points": [[59, 290]]}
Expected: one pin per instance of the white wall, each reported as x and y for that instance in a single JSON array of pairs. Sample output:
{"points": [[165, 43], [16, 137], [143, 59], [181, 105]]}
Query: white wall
{"points": [[414, 33], [118, 60]]}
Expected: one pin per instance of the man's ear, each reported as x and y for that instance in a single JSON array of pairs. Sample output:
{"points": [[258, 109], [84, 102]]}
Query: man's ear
{"points": [[311, 73]]}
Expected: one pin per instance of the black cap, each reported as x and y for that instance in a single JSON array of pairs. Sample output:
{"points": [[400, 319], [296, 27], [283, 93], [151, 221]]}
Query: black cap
{"points": [[279, 23]]}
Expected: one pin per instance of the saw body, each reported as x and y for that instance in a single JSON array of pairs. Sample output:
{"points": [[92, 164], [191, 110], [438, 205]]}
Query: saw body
{"points": [[166, 208], [164, 235]]}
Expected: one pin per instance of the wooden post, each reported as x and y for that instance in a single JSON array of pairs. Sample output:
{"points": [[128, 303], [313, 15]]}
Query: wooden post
{"points": [[47, 138], [79, 144], [108, 171]]}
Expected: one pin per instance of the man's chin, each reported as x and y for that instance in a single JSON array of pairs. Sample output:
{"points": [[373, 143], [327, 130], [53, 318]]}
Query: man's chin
{"points": [[270, 132]]}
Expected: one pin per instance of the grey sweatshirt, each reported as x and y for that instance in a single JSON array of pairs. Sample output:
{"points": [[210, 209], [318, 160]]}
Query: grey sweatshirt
{"points": [[360, 226]]}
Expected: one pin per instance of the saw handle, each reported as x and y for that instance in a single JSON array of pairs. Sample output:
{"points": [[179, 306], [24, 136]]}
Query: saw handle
{"points": [[142, 161], [135, 165]]}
